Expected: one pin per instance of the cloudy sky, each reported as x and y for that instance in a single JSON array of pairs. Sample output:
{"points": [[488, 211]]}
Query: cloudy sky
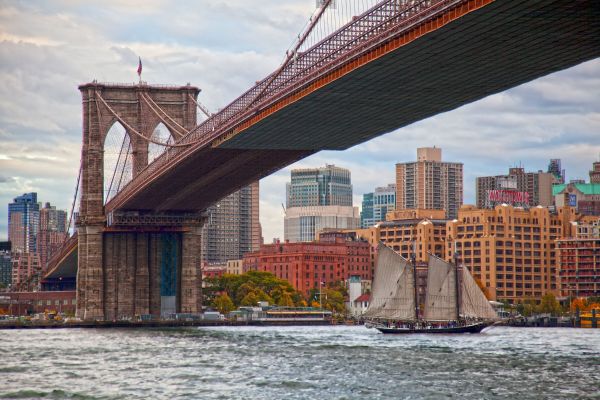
{"points": [[48, 48]]}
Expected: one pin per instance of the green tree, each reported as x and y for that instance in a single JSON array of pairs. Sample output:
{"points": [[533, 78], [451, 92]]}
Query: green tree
{"points": [[549, 305], [251, 299], [223, 303]]}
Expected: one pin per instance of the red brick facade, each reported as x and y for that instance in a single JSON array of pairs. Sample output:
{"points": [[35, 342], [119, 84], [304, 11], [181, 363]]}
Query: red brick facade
{"points": [[304, 265]]}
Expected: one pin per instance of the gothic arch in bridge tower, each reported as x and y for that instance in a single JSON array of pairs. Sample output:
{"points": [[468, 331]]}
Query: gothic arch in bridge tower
{"points": [[117, 160]]}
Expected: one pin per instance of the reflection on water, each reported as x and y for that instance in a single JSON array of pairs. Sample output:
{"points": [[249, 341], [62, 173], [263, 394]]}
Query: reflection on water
{"points": [[344, 362]]}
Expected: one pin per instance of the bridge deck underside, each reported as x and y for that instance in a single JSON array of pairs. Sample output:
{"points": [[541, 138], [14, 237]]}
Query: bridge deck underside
{"points": [[497, 47]]}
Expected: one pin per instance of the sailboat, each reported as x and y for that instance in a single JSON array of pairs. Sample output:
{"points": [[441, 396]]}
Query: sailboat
{"points": [[453, 301]]}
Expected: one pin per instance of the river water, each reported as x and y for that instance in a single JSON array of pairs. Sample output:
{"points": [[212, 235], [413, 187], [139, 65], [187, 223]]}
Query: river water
{"points": [[341, 362]]}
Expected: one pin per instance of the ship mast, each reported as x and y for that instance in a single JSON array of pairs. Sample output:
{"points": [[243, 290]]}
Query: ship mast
{"points": [[413, 260], [456, 260]]}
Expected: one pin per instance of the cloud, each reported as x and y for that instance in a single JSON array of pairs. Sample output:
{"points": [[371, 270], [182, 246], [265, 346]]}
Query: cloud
{"points": [[48, 48]]}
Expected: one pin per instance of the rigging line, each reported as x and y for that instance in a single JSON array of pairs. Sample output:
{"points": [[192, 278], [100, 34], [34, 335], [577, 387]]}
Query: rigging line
{"points": [[124, 166], [152, 104], [132, 130]]}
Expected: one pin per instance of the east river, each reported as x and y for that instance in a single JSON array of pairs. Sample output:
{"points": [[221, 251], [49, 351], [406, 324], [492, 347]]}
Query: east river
{"points": [[341, 362]]}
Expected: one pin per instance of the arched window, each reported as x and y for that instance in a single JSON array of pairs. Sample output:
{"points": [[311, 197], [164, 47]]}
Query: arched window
{"points": [[161, 134], [118, 163]]}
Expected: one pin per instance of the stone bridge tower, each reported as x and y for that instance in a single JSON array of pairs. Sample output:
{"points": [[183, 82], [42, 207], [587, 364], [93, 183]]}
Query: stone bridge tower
{"points": [[134, 262]]}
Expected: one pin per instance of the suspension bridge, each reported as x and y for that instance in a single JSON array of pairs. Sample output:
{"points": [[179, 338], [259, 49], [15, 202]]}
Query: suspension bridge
{"points": [[361, 68]]}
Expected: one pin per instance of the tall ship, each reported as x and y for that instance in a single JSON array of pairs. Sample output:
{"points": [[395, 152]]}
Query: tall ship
{"points": [[454, 303]]}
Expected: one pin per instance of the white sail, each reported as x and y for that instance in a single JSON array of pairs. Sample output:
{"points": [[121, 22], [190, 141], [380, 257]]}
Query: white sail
{"points": [[392, 296], [440, 299], [473, 302]]}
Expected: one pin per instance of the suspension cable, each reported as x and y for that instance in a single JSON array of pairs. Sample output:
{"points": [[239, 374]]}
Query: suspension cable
{"points": [[74, 201], [204, 110], [135, 132], [153, 106]]}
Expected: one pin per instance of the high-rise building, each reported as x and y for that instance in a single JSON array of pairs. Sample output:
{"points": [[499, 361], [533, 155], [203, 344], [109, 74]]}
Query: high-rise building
{"points": [[556, 170], [509, 250], [325, 186], [384, 201], [233, 226], [518, 188], [429, 183], [52, 232], [317, 199], [23, 223], [366, 212]]}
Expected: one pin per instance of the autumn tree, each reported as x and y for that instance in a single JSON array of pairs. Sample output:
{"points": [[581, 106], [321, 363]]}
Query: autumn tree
{"points": [[223, 303], [549, 305]]}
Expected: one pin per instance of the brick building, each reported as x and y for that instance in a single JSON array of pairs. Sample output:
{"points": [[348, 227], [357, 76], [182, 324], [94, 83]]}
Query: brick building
{"points": [[579, 261], [309, 265], [510, 250]]}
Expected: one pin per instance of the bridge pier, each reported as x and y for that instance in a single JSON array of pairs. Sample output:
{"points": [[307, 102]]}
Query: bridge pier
{"points": [[140, 265]]}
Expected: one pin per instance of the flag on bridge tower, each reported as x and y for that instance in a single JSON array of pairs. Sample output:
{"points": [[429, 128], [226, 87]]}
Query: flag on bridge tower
{"points": [[139, 71]]}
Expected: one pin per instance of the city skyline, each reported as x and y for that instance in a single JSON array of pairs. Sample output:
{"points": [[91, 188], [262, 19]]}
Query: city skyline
{"points": [[49, 48]]}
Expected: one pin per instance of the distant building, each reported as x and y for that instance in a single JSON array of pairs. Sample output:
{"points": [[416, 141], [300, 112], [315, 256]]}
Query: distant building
{"points": [[579, 261], [5, 265], [555, 168], [358, 300], [26, 269], [595, 173], [52, 232], [366, 212], [384, 201], [233, 226], [23, 223], [429, 183], [585, 197], [312, 265], [518, 188], [509, 250], [325, 186], [303, 224], [235, 267], [317, 199]]}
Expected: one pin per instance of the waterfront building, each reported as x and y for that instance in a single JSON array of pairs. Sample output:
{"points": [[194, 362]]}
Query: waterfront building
{"points": [[303, 224], [23, 223], [52, 232], [324, 186], [555, 168], [517, 188], [509, 250], [312, 265], [579, 261], [33, 302], [358, 298], [366, 212], [429, 183], [233, 226]]}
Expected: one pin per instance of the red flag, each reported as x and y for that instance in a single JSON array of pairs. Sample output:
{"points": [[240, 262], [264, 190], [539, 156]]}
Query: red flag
{"points": [[140, 67]]}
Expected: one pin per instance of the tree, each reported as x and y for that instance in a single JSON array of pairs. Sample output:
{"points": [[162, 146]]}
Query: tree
{"points": [[251, 299], [578, 304], [549, 305], [224, 304]]}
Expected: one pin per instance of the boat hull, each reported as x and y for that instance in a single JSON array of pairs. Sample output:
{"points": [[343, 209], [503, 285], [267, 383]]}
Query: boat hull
{"points": [[472, 328]]}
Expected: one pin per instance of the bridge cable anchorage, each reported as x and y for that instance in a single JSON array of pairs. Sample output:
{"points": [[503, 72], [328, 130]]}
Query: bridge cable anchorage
{"points": [[135, 132], [156, 108], [201, 107]]}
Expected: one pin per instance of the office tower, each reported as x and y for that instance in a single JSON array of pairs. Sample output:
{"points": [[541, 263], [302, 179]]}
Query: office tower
{"points": [[317, 199], [429, 183], [5, 265], [384, 201], [518, 188], [233, 226], [325, 186], [366, 213], [23, 223]]}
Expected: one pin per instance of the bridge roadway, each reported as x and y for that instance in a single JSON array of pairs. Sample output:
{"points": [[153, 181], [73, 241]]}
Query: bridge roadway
{"points": [[465, 54]]}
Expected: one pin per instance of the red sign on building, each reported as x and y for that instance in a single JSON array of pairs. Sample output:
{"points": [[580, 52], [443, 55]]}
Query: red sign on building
{"points": [[508, 197]]}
